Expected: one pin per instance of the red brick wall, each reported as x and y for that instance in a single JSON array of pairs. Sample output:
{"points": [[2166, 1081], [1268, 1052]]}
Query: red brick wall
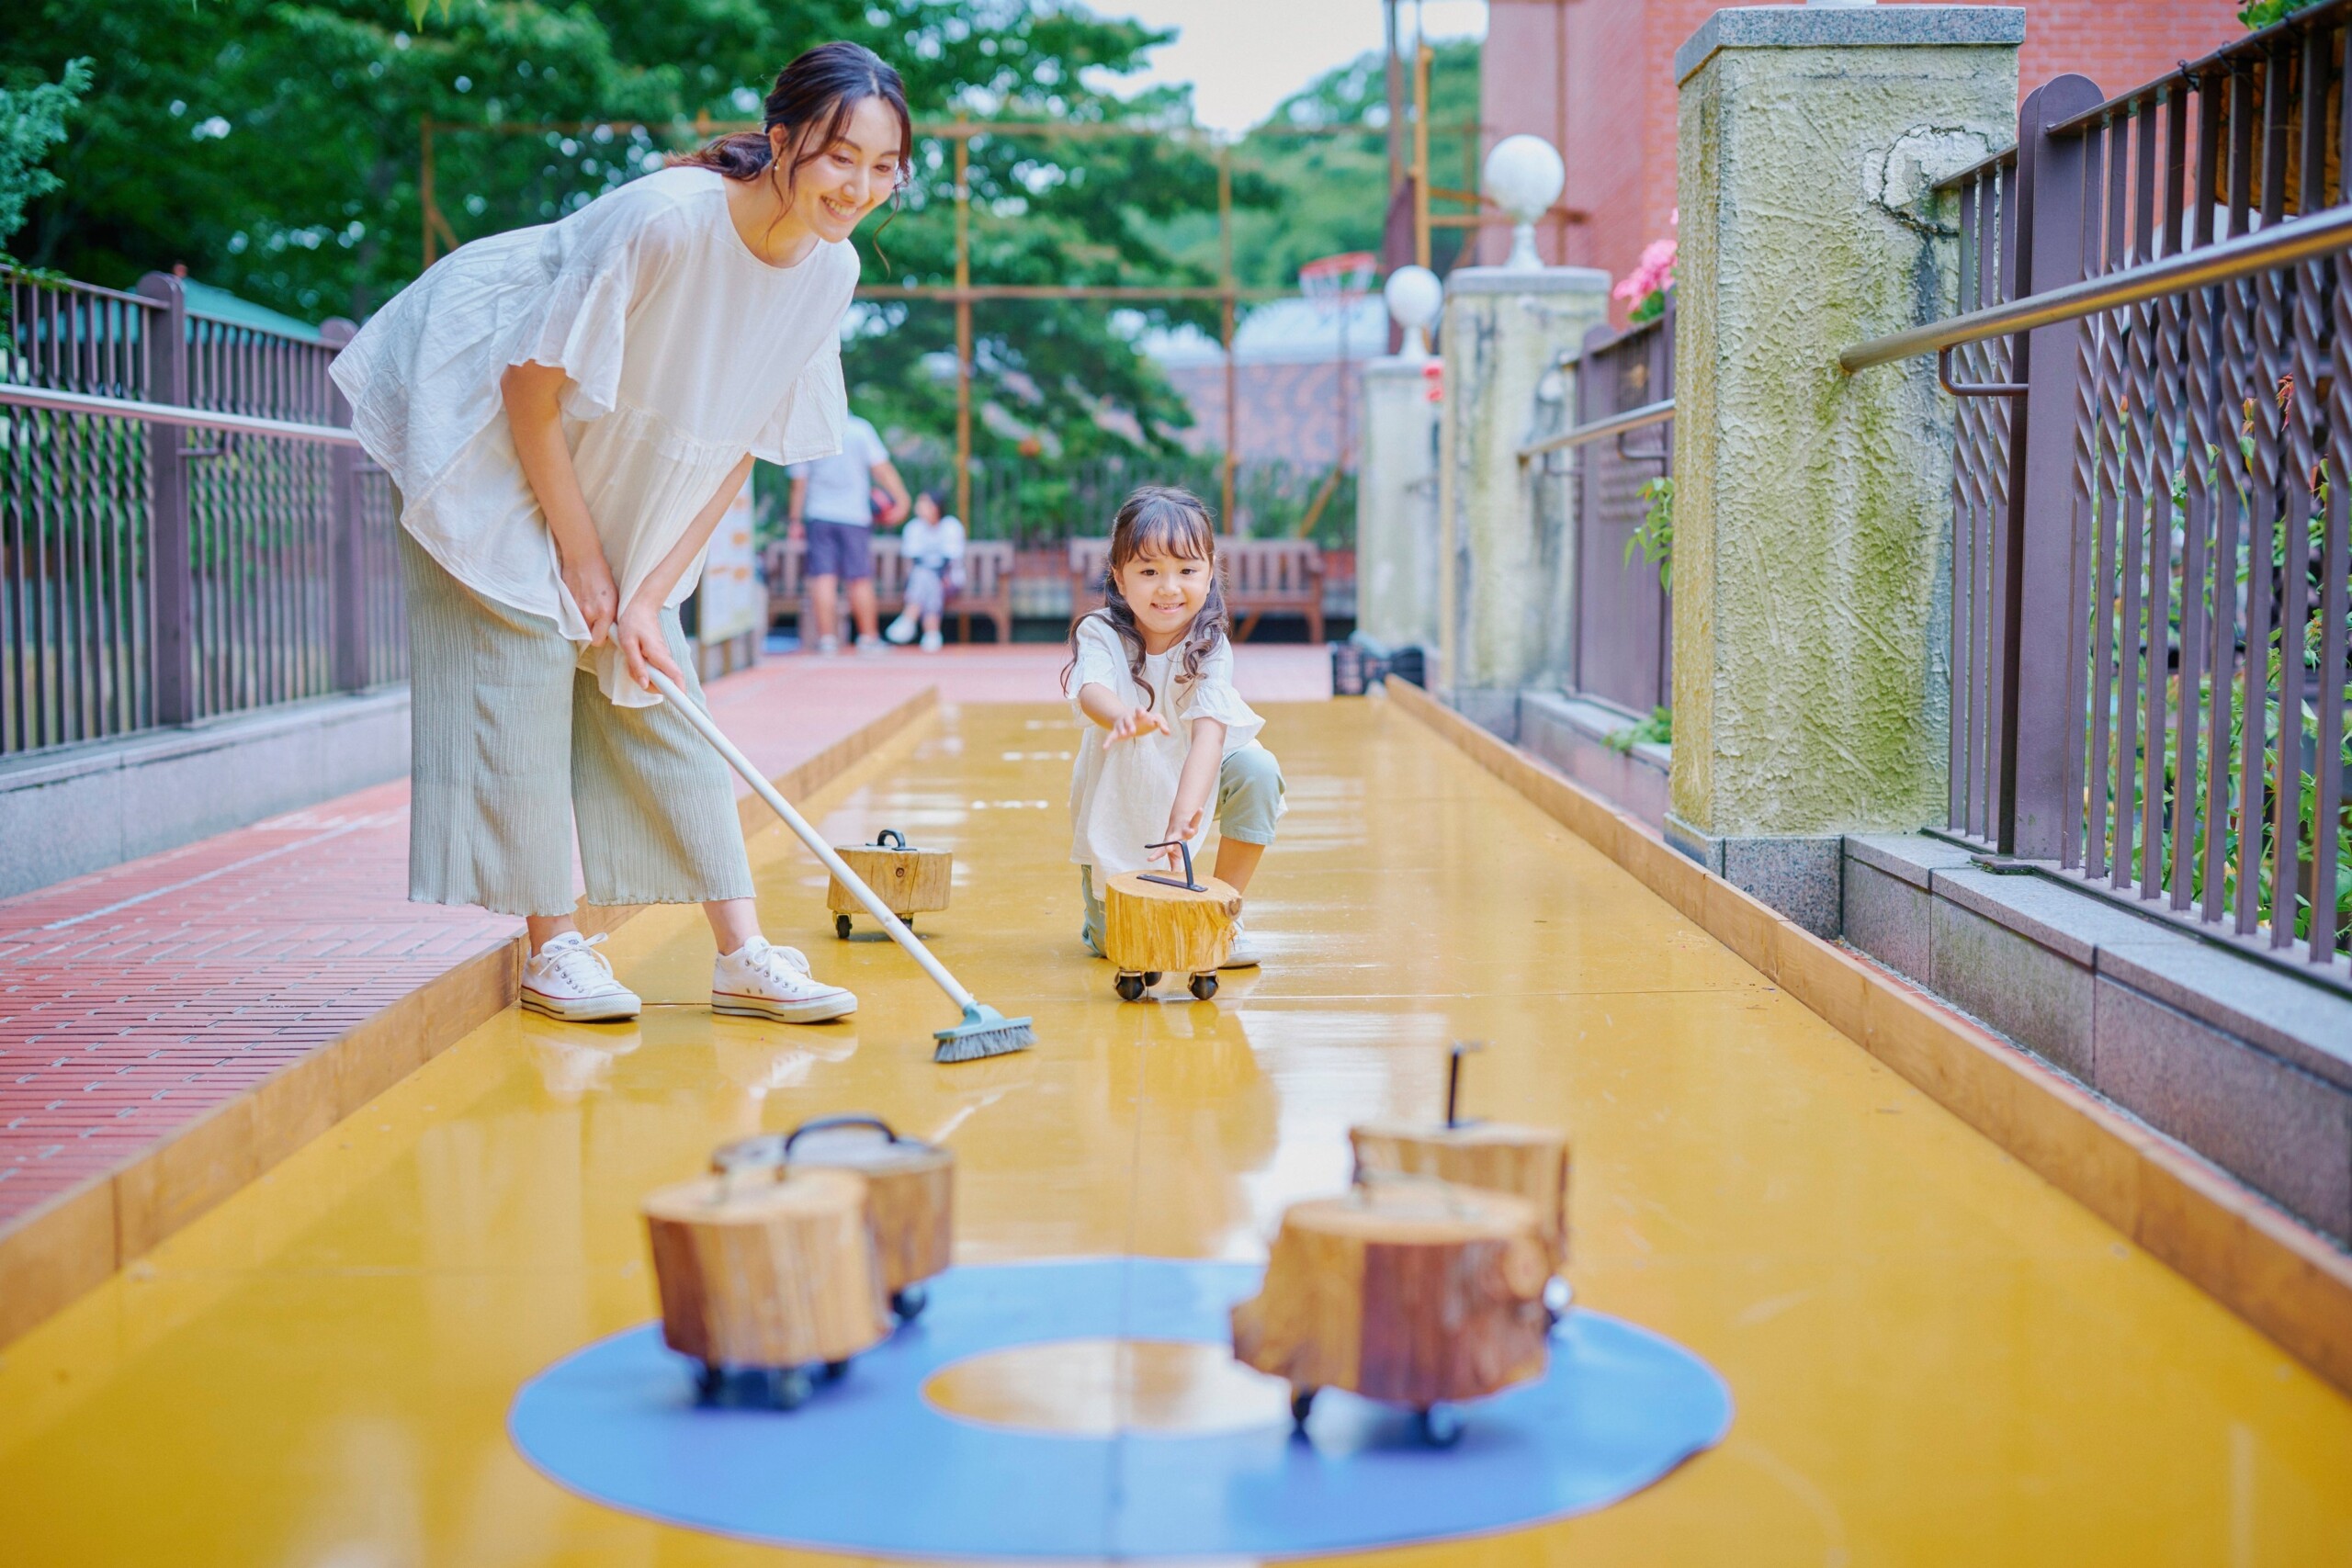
{"points": [[1617, 131]]}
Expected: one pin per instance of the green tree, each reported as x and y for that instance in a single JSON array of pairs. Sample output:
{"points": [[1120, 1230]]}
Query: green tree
{"points": [[272, 146], [32, 121], [1330, 194]]}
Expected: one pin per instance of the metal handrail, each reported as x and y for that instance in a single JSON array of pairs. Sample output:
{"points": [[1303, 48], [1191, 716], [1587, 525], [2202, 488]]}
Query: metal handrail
{"points": [[1600, 429], [2263, 250], [171, 413]]}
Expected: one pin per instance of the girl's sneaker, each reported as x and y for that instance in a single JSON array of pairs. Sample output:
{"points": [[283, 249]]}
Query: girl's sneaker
{"points": [[901, 630], [871, 646], [570, 980], [932, 642], [828, 645], [1244, 955], [765, 981]]}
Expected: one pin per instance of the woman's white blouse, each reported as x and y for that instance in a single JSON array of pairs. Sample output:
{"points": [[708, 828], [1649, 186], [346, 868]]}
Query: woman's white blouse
{"points": [[1120, 796], [684, 349]]}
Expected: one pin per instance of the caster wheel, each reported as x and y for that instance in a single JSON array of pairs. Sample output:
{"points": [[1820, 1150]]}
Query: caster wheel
{"points": [[1302, 1401], [909, 1304], [788, 1387], [1130, 988], [1204, 986], [1438, 1427], [1558, 1296], [841, 927], [1151, 978], [834, 1372], [710, 1382]]}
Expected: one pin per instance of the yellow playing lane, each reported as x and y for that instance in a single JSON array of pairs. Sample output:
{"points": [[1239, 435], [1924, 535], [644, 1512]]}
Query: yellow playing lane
{"points": [[1936, 1358]]}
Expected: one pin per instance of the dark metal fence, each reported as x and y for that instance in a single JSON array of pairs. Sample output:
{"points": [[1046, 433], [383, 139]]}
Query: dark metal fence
{"points": [[2150, 584], [1624, 621], [186, 534]]}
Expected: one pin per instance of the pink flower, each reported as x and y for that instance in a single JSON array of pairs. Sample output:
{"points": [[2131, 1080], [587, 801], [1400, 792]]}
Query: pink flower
{"points": [[1652, 274]]}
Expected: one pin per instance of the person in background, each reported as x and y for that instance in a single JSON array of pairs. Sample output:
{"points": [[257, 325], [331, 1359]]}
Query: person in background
{"points": [[934, 548], [833, 506]]}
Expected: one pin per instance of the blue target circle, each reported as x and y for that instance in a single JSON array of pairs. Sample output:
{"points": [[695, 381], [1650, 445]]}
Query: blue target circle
{"points": [[869, 1465]]}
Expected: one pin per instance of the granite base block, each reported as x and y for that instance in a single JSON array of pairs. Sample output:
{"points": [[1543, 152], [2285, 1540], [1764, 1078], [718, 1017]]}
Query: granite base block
{"points": [[2283, 1132], [1802, 877], [2038, 998], [1887, 917]]}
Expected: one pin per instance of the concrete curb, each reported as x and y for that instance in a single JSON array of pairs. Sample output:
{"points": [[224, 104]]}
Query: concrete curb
{"points": [[2281, 1278], [57, 1253]]}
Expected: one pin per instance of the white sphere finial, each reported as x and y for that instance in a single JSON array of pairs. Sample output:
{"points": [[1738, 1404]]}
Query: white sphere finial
{"points": [[1414, 295], [1524, 177]]}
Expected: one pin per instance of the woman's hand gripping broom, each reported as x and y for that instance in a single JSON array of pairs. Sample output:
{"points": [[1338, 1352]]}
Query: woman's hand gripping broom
{"points": [[984, 1031]]}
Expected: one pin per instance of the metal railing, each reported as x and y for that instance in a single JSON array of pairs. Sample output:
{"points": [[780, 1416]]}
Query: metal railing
{"points": [[2150, 617], [1624, 623], [186, 527]]}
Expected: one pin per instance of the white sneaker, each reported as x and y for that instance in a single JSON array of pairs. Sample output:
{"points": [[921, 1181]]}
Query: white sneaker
{"points": [[570, 980], [828, 645], [932, 642], [766, 981], [871, 646], [1244, 955], [901, 630]]}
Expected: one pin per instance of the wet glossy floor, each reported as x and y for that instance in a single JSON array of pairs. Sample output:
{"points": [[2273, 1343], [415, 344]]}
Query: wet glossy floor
{"points": [[1936, 1357]]}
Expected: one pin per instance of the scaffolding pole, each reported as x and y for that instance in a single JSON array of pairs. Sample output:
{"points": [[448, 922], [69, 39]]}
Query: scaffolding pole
{"points": [[964, 329]]}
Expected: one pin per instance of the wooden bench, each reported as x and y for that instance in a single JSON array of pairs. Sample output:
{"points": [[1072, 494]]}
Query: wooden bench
{"points": [[1281, 577], [987, 592]]}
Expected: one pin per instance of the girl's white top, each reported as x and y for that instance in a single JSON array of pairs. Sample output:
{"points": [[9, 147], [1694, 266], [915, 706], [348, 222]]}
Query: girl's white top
{"points": [[684, 349], [939, 543], [1120, 796]]}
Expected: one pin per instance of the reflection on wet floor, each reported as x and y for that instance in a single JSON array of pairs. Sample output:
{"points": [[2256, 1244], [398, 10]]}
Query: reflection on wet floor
{"points": [[1936, 1357]]}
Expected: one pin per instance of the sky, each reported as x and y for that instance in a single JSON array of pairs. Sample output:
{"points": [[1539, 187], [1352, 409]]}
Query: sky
{"points": [[1242, 57]]}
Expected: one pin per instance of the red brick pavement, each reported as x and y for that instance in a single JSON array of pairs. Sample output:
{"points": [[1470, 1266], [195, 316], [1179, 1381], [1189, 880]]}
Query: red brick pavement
{"points": [[136, 998]]}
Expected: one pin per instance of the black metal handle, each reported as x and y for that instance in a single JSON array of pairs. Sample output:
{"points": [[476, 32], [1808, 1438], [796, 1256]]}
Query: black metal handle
{"points": [[1453, 1078], [826, 1124], [882, 840], [1188, 884]]}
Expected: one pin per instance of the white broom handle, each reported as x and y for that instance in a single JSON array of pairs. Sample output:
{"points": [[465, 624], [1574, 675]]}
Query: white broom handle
{"points": [[695, 715]]}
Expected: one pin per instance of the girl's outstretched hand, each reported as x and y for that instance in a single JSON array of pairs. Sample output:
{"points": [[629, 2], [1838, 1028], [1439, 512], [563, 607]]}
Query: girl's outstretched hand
{"points": [[1134, 722], [638, 633]]}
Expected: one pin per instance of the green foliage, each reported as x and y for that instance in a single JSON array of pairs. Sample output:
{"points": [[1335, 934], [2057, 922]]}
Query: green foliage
{"points": [[273, 147], [1320, 196], [2260, 14], [1656, 730], [32, 121], [1653, 539]]}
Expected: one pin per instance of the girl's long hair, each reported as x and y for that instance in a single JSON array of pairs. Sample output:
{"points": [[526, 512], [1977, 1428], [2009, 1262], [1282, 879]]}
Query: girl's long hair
{"points": [[1160, 520], [813, 99]]}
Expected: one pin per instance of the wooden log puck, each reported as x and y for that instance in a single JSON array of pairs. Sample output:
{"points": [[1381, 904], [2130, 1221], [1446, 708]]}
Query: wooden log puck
{"points": [[1150, 927], [1414, 1292], [908, 880], [910, 1190], [760, 1272], [1526, 1162]]}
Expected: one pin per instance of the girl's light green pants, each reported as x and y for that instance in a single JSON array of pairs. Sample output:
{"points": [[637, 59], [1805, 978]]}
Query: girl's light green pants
{"points": [[511, 742]]}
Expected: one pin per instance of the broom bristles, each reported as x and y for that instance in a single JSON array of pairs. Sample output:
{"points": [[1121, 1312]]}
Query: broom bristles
{"points": [[984, 1033]]}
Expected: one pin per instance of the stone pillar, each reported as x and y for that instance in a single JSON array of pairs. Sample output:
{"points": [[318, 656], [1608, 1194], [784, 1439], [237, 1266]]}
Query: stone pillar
{"points": [[1813, 509], [1396, 505], [1505, 579]]}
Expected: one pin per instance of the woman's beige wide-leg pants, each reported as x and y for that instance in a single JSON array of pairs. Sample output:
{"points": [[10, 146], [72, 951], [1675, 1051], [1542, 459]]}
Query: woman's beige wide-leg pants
{"points": [[511, 740]]}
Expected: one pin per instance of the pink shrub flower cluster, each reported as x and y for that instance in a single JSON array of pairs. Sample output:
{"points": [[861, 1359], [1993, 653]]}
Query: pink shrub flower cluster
{"points": [[1645, 287]]}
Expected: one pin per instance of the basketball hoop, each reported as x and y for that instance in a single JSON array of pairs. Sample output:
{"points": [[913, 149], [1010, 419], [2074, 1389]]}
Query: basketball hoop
{"points": [[1335, 283]]}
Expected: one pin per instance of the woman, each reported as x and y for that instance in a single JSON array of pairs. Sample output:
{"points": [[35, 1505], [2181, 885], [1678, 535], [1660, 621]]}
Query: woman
{"points": [[566, 413]]}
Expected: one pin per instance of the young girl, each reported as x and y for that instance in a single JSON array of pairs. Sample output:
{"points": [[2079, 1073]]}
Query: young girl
{"points": [[934, 546], [566, 413], [1153, 673]]}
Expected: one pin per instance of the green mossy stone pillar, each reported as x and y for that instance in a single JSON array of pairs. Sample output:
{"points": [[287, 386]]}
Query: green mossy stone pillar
{"points": [[1813, 509], [1396, 505], [1505, 588]]}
